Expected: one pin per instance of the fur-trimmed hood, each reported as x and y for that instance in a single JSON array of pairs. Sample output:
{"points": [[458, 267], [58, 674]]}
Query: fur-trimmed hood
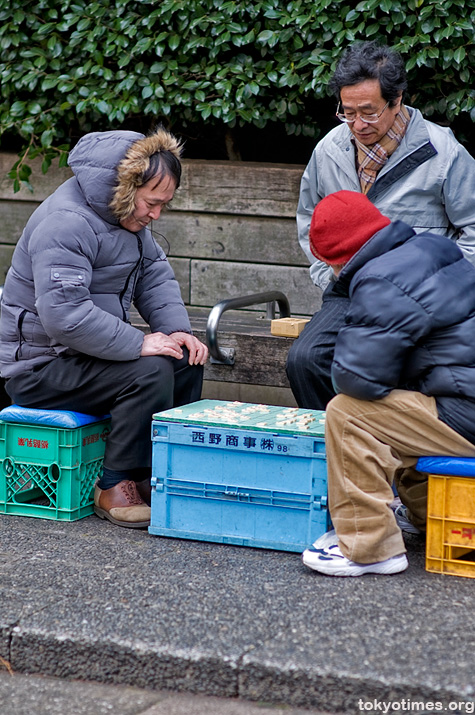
{"points": [[109, 167], [135, 164]]}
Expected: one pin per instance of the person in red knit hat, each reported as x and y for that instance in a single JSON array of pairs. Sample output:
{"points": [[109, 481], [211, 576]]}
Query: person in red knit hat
{"points": [[337, 230], [404, 376]]}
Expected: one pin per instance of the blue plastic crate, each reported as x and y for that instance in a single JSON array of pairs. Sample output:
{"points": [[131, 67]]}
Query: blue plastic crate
{"points": [[236, 473]]}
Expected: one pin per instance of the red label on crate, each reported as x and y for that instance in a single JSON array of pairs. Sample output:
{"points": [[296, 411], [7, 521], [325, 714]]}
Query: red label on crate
{"points": [[465, 533], [36, 443], [92, 438]]}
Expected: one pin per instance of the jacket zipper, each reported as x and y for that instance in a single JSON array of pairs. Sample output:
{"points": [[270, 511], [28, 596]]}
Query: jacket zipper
{"points": [[134, 270]]}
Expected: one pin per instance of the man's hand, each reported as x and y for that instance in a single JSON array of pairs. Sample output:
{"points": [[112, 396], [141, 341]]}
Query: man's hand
{"points": [[161, 344], [197, 350]]}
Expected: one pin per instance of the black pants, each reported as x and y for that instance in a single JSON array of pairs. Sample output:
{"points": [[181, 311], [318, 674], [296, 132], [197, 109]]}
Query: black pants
{"points": [[4, 397], [310, 357], [129, 391]]}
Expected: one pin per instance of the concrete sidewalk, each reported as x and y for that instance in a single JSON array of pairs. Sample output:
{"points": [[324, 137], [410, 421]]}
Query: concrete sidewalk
{"points": [[91, 601], [43, 695]]}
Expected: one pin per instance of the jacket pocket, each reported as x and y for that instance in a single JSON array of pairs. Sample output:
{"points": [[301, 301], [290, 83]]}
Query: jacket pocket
{"points": [[20, 320], [70, 275]]}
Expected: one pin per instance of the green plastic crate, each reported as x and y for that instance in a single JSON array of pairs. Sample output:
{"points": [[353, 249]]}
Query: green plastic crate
{"points": [[50, 472]]}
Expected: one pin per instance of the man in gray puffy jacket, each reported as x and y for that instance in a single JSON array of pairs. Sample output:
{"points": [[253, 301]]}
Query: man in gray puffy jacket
{"points": [[66, 341], [410, 169]]}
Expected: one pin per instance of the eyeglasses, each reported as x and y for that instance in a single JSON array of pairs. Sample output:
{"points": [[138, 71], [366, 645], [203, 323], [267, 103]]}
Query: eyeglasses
{"points": [[350, 117]]}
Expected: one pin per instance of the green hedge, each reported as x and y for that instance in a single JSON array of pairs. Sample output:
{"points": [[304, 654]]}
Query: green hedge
{"points": [[69, 66]]}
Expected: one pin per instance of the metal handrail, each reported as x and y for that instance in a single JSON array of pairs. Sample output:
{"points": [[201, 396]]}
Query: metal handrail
{"points": [[225, 356]]}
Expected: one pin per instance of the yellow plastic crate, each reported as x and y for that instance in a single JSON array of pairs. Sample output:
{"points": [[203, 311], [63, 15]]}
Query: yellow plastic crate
{"points": [[450, 545]]}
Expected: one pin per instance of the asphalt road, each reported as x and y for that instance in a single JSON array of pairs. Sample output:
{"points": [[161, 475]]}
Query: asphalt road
{"points": [[88, 601]]}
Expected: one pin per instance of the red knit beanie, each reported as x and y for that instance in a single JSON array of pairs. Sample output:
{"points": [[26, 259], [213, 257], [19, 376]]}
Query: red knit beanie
{"points": [[341, 223]]}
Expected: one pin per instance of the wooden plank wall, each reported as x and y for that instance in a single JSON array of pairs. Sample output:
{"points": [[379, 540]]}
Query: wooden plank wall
{"points": [[231, 230]]}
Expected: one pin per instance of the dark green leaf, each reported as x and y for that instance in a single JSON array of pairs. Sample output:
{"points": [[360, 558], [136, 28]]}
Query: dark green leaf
{"points": [[77, 66], [46, 138]]}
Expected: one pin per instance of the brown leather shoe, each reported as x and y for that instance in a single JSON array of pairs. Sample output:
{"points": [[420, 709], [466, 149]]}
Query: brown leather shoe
{"points": [[122, 505], [144, 488]]}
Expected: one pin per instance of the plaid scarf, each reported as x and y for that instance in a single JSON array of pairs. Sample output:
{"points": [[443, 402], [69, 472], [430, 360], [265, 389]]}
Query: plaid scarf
{"points": [[371, 159]]}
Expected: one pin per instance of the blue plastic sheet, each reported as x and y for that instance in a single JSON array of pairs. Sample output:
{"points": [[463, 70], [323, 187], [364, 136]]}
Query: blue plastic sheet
{"points": [[461, 466], [51, 418]]}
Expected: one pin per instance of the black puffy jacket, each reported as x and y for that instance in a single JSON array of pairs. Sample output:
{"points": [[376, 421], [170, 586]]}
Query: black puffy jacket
{"points": [[411, 323]]}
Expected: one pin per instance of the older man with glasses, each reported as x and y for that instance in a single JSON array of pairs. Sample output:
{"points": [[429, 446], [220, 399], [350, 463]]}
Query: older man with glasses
{"points": [[409, 168]]}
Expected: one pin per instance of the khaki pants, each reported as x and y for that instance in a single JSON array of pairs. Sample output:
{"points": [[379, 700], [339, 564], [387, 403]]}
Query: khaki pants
{"points": [[370, 445]]}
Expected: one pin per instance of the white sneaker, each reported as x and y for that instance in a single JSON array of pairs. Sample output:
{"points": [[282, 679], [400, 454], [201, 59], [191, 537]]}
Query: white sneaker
{"points": [[327, 539], [329, 560], [400, 512]]}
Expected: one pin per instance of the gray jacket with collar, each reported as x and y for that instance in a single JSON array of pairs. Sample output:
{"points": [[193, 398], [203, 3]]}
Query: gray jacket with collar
{"points": [[428, 182]]}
